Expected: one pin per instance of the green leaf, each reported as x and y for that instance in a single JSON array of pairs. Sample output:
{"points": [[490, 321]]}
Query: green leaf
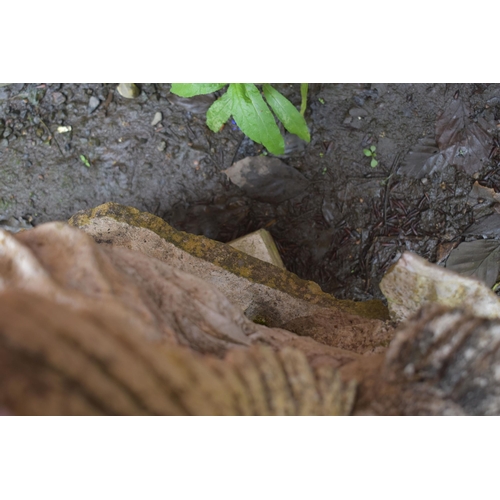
{"points": [[192, 89], [84, 160], [367, 152], [373, 163], [373, 148], [288, 114], [304, 87], [254, 118], [219, 112]]}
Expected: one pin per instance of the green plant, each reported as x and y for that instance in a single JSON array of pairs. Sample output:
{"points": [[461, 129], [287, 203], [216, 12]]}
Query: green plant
{"points": [[371, 154], [244, 102], [84, 160]]}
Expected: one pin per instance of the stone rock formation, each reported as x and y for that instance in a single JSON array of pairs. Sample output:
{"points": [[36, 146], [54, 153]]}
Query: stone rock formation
{"points": [[123, 315]]}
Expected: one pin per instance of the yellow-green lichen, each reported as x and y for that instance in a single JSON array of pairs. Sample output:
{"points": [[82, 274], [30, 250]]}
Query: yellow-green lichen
{"points": [[231, 259], [260, 320]]}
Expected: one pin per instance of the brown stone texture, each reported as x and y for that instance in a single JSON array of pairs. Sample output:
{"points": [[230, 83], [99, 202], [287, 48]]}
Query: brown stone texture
{"points": [[55, 360], [89, 329], [345, 331], [260, 289], [118, 320], [443, 361], [413, 282]]}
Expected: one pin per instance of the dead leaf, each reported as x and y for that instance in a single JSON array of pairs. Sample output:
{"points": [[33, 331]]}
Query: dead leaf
{"points": [[479, 192], [462, 141], [267, 179], [422, 160], [459, 141], [482, 192], [487, 227], [444, 250], [479, 259]]}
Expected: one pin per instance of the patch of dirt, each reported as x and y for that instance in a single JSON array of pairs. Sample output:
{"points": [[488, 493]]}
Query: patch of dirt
{"points": [[346, 227]]}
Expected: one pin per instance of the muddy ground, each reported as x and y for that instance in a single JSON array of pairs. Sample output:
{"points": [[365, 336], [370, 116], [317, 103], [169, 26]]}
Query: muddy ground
{"points": [[350, 221]]}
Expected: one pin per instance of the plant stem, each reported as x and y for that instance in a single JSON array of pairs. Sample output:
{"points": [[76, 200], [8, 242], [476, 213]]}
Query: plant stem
{"points": [[303, 92]]}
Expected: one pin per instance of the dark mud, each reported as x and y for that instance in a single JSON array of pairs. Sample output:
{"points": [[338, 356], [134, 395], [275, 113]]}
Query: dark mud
{"points": [[345, 228]]}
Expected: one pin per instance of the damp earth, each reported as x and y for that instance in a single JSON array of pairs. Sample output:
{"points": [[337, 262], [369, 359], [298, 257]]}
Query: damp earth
{"points": [[341, 223]]}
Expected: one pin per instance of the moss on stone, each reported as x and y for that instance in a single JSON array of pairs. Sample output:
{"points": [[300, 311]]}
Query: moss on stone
{"points": [[231, 259]]}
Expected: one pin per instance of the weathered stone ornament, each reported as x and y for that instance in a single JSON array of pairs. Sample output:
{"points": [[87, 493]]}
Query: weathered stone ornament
{"points": [[128, 317], [108, 330]]}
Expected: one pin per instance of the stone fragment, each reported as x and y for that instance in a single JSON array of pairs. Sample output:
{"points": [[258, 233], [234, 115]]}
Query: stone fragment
{"points": [[259, 244], [128, 90], [14, 225], [94, 103], [63, 129], [58, 98], [267, 179], [413, 282], [356, 118], [157, 119]]}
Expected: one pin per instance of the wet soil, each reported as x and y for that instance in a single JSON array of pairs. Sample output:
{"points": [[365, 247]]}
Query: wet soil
{"points": [[343, 230]]}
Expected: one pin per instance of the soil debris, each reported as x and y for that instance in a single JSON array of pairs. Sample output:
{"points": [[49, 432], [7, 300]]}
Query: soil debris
{"points": [[349, 222]]}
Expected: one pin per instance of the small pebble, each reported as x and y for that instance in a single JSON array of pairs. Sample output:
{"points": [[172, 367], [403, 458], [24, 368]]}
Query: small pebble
{"points": [[157, 119], [128, 90], [93, 104], [4, 143], [162, 146], [58, 98], [14, 225], [7, 132], [358, 112]]}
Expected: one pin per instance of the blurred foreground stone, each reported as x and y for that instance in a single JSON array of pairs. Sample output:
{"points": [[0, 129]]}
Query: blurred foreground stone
{"points": [[126, 316], [413, 282]]}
